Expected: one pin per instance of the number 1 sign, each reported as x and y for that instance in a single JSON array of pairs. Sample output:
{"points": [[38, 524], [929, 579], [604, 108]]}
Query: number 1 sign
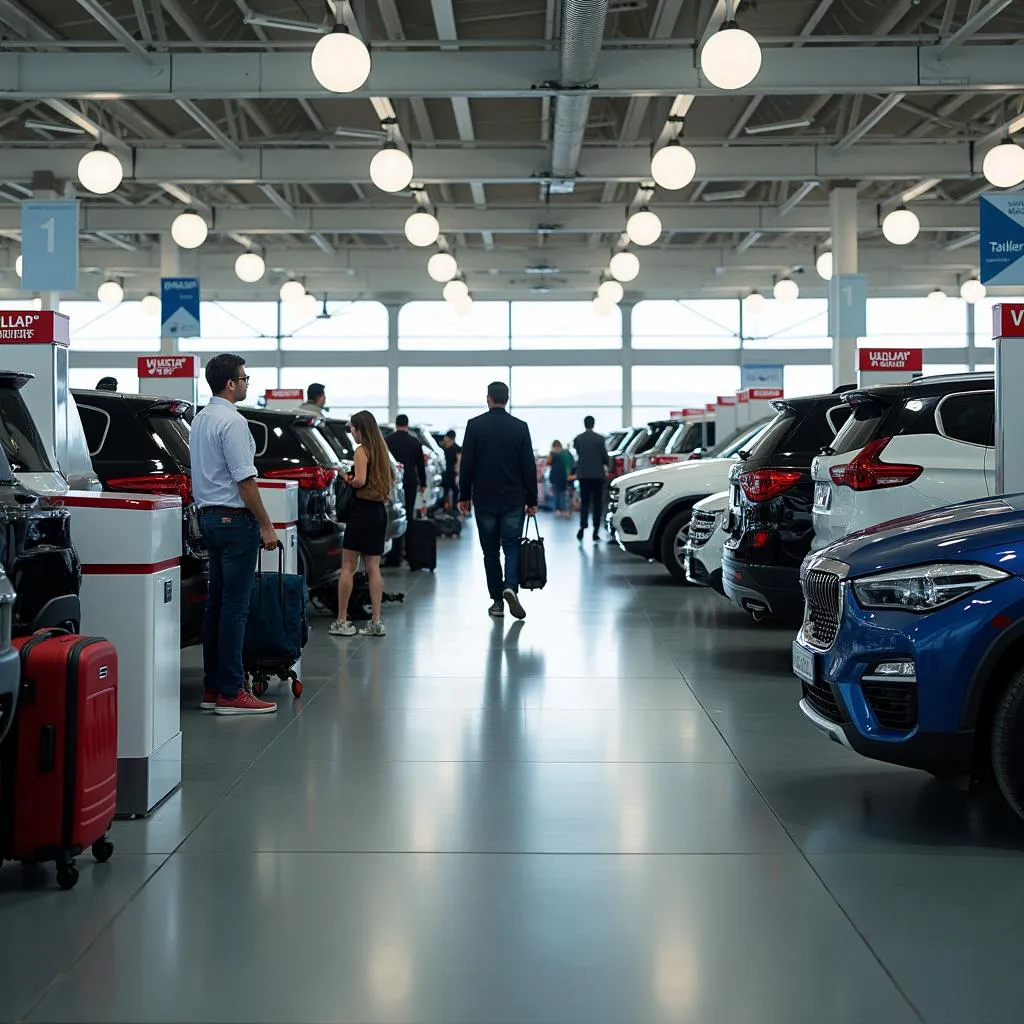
{"points": [[49, 246]]}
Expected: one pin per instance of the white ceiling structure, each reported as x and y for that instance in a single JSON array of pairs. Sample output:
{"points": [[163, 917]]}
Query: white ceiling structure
{"points": [[531, 124]]}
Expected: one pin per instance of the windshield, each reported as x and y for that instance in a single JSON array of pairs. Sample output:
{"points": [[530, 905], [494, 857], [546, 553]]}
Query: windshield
{"points": [[738, 440], [804, 428], [172, 434], [863, 426], [18, 435], [315, 443]]}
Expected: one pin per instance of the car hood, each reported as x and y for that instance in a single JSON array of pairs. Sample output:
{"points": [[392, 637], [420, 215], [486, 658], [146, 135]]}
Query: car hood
{"points": [[715, 503], [953, 533], [666, 474]]}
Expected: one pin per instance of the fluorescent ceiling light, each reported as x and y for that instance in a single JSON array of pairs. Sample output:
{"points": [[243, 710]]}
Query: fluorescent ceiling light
{"points": [[719, 197], [779, 126]]}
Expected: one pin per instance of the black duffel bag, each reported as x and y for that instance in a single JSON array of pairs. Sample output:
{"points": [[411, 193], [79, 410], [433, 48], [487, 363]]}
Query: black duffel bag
{"points": [[533, 563]]}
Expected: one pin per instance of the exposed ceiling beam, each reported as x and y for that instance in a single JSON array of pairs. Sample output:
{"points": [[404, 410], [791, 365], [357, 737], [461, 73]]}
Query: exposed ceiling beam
{"points": [[884, 108], [210, 127], [97, 12], [974, 24]]}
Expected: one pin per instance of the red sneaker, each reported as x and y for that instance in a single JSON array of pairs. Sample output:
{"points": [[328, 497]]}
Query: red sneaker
{"points": [[244, 704], [209, 701]]}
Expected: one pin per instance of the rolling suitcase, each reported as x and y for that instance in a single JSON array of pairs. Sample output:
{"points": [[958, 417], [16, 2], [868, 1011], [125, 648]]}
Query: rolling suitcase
{"points": [[59, 762], [421, 545]]}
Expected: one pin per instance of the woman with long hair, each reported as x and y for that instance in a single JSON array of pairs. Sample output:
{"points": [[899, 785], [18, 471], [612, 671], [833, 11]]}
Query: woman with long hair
{"points": [[367, 527]]}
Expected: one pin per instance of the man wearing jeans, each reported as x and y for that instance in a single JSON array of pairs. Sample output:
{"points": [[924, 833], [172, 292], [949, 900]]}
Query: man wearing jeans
{"points": [[499, 476], [235, 525]]}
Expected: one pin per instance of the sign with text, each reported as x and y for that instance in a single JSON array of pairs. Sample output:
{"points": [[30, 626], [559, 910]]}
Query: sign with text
{"points": [[1001, 248], [179, 307], [1008, 320], [168, 366], [284, 395], [761, 375], [49, 246], [34, 328], [727, 400], [765, 394], [891, 359]]}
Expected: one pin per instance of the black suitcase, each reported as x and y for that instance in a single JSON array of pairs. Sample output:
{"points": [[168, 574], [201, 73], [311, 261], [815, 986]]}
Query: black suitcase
{"points": [[446, 524], [421, 545]]}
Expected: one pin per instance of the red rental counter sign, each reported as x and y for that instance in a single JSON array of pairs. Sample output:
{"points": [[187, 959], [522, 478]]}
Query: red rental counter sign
{"points": [[909, 359], [1008, 320], [765, 394], [284, 394], [168, 366], [32, 327]]}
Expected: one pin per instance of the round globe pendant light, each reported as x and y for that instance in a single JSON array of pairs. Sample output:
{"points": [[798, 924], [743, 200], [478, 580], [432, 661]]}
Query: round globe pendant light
{"points": [[644, 227], [786, 290], [442, 267], [455, 291], [611, 291], [901, 226], [825, 265], [340, 61], [624, 267], [307, 306], [731, 58], [292, 292], [602, 307], [151, 305], [250, 267], [422, 228], [937, 298], [673, 166], [754, 302], [464, 306], [973, 291], [391, 169], [110, 293], [100, 171], [19, 264], [1003, 166], [189, 230]]}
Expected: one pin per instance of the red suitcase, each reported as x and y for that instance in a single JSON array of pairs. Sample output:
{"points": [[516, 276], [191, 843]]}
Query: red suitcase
{"points": [[59, 762]]}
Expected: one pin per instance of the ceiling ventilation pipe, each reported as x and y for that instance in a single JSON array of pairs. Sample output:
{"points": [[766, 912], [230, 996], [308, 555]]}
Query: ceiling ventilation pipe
{"points": [[582, 35]]}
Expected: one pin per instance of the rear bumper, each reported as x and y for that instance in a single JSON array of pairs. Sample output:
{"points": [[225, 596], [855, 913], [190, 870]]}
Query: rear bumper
{"points": [[697, 572], [764, 589]]}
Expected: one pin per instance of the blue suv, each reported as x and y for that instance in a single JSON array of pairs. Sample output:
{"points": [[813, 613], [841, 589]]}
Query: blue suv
{"points": [[912, 646]]}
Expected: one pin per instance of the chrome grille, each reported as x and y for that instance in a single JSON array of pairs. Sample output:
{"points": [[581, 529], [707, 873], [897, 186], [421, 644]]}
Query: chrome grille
{"points": [[613, 500], [702, 526], [824, 608]]}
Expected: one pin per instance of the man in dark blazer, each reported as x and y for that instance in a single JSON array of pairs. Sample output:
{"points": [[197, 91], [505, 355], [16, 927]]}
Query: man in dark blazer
{"points": [[499, 477]]}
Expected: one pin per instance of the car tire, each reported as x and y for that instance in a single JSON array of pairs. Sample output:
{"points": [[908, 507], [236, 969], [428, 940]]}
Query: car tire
{"points": [[673, 540], [1008, 743]]}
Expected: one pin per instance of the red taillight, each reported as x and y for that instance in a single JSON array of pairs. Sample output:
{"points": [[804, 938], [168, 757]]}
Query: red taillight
{"points": [[760, 540], [309, 478], [765, 484], [664, 460], [156, 483], [695, 457], [867, 471], [620, 465]]}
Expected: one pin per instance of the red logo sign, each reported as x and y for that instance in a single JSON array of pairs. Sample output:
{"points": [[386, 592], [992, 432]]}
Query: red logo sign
{"points": [[693, 412], [892, 359], [711, 407], [168, 366], [743, 397], [34, 328], [284, 394], [727, 400], [765, 394], [1008, 320]]}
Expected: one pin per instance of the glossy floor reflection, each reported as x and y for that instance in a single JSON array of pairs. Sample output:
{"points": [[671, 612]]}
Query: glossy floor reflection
{"points": [[610, 813]]}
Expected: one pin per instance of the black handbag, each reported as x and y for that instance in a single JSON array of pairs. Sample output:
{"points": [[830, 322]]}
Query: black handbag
{"points": [[344, 499], [533, 563]]}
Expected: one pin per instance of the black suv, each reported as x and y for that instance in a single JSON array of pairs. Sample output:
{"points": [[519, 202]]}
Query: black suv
{"points": [[770, 521], [139, 443]]}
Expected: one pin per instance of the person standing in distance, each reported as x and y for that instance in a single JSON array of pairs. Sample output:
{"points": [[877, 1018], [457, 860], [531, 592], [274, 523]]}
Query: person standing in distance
{"points": [[316, 399], [452, 452], [499, 476], [235, 525], [592, 473], [409, 452]]}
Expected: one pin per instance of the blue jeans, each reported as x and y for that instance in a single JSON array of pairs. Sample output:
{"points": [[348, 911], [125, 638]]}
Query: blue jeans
{"points": [[501, 529], [561, 496], [233, 542]]}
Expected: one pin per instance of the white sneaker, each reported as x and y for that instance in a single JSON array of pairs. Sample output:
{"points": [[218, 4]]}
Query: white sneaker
{"points": [[373, 629], [342, 629]]}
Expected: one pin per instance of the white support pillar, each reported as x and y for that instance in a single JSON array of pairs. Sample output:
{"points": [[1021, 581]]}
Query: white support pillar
{"points": [[393, 359], [170, 266], [627, 363], [844, 320]]}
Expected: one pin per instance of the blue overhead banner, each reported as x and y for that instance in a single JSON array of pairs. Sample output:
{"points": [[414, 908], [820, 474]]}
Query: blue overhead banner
{"points": [[761, 375], [179, 307], [49, 246], [1002, 239]]}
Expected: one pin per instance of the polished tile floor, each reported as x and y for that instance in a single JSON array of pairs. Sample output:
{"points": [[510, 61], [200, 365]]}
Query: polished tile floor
{"points": [[610, 813]]}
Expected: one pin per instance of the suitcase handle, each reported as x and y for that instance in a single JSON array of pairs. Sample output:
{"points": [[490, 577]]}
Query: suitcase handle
{"points": [[280, 573], [48, 748]]}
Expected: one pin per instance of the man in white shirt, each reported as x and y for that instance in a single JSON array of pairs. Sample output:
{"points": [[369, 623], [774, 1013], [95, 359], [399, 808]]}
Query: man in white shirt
{"points": [[235, 526]]}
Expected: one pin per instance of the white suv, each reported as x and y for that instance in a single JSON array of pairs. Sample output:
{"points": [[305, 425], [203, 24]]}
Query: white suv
{"points": [[907, 448], [649, 511], [705, 542]]}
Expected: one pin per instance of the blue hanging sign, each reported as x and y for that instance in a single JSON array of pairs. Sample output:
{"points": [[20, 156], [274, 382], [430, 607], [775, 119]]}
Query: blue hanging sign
{"points": [[49, 246], [761, 375], [179, 307], [1001, 219]]}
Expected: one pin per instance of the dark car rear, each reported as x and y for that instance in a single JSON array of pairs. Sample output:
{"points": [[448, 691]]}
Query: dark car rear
{"points": [[617, 454], [647, 440], [139, 443], [770, 522]]}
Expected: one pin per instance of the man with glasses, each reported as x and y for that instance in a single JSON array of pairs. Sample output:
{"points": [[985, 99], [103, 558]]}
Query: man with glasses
{"points": [[235, 525]]}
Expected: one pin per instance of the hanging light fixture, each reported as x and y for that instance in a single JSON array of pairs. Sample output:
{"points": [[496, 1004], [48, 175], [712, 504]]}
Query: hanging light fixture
{"points": [[611, 291], [973, 291], [786, 290], [110, 293], [19, 264], [1003, 166], [100, 171], [307, 306], [442, 267], [673, 166], [422, 228], [901, 226], [937, 298], [250, 267], [464, 306], [602, 307], [189, 230], [292, 292], [644, 227], [825, 265], [455, 290], [391, 169], [340, 60], [731, 58], [754, 302], [151, 305], [624, 266]]}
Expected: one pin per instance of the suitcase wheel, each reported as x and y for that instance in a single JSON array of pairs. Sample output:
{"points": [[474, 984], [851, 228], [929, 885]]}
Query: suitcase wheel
{"points": [[260, 685], [103, 850], [296, 687], [67, 876]]}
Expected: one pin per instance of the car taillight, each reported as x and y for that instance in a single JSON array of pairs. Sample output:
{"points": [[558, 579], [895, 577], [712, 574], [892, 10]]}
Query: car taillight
{"points": [[695, 457], [156, 483], [664, 460], [867, 471], [765, 484], [620, 465], [309, 478]]}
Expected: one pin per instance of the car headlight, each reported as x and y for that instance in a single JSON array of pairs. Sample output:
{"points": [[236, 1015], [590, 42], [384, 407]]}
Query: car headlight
{"points": [[925, 587], [641, 491]]}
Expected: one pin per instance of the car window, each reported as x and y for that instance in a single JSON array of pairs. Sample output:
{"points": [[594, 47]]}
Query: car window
{"points": [[96, 424], [863, 425], [172, 434], [968, 417], [687, 439], [801, 428], [19, 437], [260, 435], [738, 440]]}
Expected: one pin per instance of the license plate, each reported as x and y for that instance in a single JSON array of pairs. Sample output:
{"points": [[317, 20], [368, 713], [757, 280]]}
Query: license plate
{"points": [[822, 497], [803, 663]]}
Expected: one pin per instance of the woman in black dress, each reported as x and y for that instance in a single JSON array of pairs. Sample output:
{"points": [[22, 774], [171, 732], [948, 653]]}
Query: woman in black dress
{"points": [[367, 527]]}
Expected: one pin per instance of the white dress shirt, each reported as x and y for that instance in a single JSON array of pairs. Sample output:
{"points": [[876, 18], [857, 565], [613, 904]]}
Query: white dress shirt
{"points": [[223, 450]]}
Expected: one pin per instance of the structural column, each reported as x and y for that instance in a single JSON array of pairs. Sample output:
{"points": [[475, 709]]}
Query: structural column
{"points": [[847, 292], [626, 312], [393, 357], [170, 266]]}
